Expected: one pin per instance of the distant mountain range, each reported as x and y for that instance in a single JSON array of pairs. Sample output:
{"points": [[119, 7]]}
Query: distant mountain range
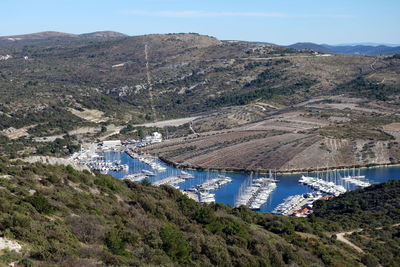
{"points": [[365, 49]]}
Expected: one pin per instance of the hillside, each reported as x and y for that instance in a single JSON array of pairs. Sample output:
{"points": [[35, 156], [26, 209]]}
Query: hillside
{"points": [[64, 217], [323, 105], [370, 207], [372, 216]]}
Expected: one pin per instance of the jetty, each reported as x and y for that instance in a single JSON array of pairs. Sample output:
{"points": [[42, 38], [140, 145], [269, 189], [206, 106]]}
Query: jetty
{"points": [[356, 181], [204, 191], [296, 203], [214, 183], [322, 185], [171, 180], [355, 178], [135, 177], [257, 193], [186, 175], [149, 161], [206, 197]]}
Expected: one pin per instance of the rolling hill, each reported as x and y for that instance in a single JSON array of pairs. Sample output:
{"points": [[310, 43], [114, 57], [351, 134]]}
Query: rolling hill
{"points": [[324, 105]]}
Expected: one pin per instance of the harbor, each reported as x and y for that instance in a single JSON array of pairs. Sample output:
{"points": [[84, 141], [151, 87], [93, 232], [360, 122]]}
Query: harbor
{"points": [[253, 190]]}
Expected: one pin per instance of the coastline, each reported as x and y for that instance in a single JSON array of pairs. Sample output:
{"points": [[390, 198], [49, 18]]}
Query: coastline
{"points": [[280, 172], [266, 171]]}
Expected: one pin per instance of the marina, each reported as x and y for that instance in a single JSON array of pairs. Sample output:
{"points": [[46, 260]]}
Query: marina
{"points": [[257, 193], [253, 190]]}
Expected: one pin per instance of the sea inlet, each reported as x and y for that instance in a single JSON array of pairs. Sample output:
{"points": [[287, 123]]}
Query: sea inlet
{"points": [[287, 185]]}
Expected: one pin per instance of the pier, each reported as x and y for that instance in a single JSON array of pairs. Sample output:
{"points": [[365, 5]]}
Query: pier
{"points": [[214, 183], [149, 161], [356, 181], [203, 191], [257, 194], [172, 181], [322, 185], [135, 177], [293, 205]]}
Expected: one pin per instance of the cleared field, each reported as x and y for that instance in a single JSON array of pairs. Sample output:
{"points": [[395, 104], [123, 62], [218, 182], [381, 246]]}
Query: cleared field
{"points": [[91, 115], [291, 139], [13, 133]]}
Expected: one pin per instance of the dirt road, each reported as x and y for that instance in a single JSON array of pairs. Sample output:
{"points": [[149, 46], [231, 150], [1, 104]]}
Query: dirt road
{"points": [[340, 237], [161, 124]]}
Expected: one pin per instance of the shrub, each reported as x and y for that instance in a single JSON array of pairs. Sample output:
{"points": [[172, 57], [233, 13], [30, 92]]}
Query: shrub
{"points": [[40, 203], [115, 243], [174, 244]]}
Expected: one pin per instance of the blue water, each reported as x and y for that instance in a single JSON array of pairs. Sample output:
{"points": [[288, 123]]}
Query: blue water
{"points": [[288, 185]]}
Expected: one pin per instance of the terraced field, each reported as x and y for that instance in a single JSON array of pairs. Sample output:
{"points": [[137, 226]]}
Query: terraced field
{"points": [[325, 133]]}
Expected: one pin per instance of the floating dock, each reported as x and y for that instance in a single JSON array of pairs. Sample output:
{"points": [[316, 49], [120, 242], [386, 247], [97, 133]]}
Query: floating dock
{"points": [[172, 181], [296, 203], [322, 185], [214, 183], [257, 194], [135, 177], [356, 181]]}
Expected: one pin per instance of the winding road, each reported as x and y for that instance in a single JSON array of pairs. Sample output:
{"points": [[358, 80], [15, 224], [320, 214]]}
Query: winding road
{"points": [[341, 237]]}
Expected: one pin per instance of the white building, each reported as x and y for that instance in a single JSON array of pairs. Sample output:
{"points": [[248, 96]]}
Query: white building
{"points": [[111, 143], [156, 137], [153, 138]]}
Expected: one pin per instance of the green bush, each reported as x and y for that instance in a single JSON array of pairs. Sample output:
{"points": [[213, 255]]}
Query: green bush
{"points": [[40, 203], [174, 244], [115, 243]]}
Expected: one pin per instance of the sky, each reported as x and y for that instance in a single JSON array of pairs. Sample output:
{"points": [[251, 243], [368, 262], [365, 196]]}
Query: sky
{"points": [[280, 21]]}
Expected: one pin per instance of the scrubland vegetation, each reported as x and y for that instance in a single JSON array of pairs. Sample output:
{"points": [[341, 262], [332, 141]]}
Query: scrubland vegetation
{"points": [[64, 217]]}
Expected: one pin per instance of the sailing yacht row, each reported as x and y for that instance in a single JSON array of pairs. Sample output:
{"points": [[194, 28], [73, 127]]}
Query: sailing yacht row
{"points": [[257, 193], [322, 185], [214, 183], [204, 191], [294, 203]]}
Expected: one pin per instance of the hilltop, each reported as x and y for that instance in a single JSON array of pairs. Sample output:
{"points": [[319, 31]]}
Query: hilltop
{"points": [[53, 34]]}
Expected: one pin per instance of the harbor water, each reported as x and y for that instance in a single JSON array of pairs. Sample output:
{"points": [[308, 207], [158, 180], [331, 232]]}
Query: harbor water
{"points": [[287, 185]]}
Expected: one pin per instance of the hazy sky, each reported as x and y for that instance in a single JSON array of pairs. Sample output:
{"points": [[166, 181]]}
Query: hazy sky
{"points": [[279, 21]]}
